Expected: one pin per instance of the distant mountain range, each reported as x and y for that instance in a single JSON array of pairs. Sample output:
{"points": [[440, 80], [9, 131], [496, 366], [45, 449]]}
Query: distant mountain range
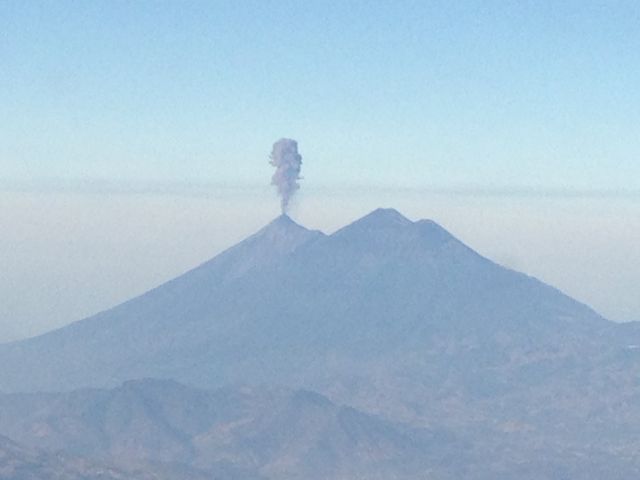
{"points": [[449, 363]]}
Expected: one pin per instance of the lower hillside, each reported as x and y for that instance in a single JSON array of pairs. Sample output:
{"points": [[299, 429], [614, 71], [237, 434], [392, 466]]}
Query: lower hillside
{"points": [[168, 431], [180, 432], [21, 463]]}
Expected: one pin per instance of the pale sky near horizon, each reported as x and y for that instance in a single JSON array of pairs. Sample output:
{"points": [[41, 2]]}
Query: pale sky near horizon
{"points": [[134, 137]]}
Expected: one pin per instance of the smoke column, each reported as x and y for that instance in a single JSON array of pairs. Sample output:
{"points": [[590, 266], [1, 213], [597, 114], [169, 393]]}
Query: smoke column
{"points": [[288, 161]]}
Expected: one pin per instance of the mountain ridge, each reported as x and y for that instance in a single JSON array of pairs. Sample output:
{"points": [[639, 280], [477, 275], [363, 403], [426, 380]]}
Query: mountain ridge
{"points": [[164, 430], [160, 425]]}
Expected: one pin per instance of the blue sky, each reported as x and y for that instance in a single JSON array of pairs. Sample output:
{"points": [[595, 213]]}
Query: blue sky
{"points": [[134, 136], [495, 94]]}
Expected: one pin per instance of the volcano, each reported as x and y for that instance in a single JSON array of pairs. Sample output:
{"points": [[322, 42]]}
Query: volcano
{"points": [[294, 306]]}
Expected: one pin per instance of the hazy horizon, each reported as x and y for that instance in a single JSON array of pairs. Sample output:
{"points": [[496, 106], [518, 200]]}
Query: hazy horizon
{"points": [[102, 248]]}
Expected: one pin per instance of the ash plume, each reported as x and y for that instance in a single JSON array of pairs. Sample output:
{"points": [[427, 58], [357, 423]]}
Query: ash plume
{"points": [[288, 162]]}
